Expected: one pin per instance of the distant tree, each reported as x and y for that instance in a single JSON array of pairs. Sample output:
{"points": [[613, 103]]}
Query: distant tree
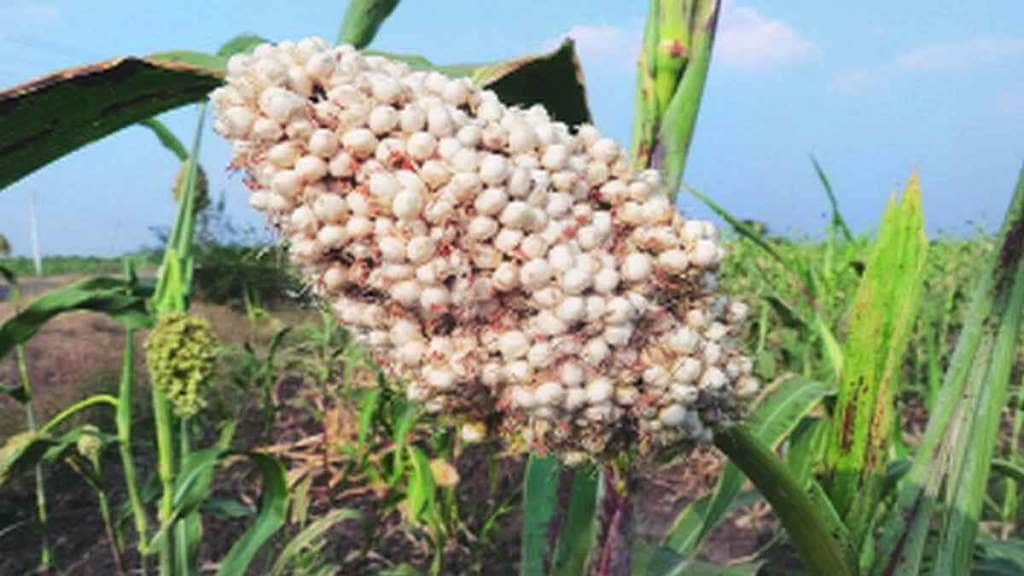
{"points": [[5, 246]]}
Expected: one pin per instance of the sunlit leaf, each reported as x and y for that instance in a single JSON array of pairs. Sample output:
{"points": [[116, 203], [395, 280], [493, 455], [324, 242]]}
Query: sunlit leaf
{"points": [[883, 316]]}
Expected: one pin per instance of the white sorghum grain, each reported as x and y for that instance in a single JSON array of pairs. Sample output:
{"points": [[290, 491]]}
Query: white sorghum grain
{"points": [[488, 256]]}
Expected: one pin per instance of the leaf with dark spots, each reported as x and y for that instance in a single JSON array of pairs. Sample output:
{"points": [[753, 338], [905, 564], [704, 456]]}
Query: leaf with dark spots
{"points": [[896, 556], [1010, 253], [954, 455], [846, 441], [564, 490], [883, 315]]}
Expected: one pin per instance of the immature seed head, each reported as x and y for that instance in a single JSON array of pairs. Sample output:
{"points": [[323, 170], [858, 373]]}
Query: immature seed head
{"points": [[89, 445], [180, 353], [201, 191]]}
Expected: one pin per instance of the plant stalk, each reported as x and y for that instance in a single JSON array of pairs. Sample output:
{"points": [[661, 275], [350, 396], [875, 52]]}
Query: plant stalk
{"points": [[165, 470], [673, 69], [615, 510], [362, 20], [108, 524], [76, 408], [818, 547], [181, 542], [46, 553], [171, 296], [124, 437], [95, 480]]}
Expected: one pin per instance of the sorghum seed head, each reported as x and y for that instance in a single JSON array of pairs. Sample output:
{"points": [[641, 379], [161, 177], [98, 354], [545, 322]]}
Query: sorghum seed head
{"points": [[490, 258], [180, 353]]}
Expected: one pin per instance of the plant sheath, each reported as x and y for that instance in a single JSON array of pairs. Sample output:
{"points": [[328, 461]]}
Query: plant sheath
{"points": [[818, 547]]}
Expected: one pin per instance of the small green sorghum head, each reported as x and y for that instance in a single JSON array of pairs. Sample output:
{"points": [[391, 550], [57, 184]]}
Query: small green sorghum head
{"points": [[202, 187], [180, 353], [89, 444]]}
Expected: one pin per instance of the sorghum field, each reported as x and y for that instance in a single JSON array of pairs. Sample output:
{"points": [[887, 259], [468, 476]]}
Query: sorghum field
{"points": [[487, 343]]}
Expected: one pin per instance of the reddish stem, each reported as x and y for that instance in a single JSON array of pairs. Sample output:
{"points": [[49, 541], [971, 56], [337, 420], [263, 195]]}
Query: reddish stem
{"points": [[616, 522]]}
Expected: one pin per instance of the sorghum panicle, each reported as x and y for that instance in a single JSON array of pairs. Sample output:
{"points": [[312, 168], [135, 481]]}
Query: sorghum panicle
{"points": [[491, 258], [180, 353]]}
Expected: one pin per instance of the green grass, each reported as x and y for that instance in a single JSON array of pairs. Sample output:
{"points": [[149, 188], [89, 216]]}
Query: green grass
{"points": [[780, 305], [60, 265]]}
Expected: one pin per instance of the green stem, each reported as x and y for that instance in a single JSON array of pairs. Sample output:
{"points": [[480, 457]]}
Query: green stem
{"points": [[671, 51], [645, 110], [673, 65], [78, 407], [181, 542], [437, 563], [362, 20], [614, 512], [174, 284], [165, 469], [115, 549], [819, 549], [45, 554], [108, 524], [681, 114], [124, 436], [171, 296]]}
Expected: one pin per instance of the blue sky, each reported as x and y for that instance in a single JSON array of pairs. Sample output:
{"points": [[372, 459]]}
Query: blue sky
{"points": [[875, 89]]}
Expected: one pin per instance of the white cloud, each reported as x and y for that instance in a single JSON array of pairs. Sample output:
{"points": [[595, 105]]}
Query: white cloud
{"points": [[959, 56], [604, 45], [948, 58], [746, 40], [749, 40]]}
